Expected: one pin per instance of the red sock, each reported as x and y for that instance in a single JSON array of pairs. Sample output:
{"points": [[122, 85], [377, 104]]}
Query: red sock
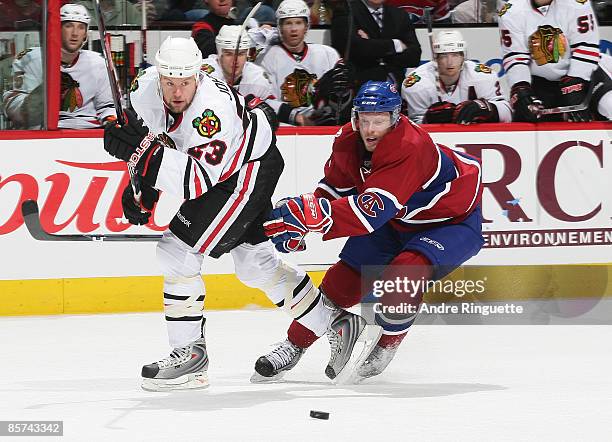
{"points": [[300, 335], [387, 341]]}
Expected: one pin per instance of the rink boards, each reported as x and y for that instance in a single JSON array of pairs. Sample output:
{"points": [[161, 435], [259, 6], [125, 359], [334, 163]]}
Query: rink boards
{"points": [[546, 205]]}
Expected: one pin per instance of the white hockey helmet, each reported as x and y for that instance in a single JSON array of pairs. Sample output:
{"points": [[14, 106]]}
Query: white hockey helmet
{"points": [[448, 41], [178, 57], [292, 8], [72, 12], [228, 37]]}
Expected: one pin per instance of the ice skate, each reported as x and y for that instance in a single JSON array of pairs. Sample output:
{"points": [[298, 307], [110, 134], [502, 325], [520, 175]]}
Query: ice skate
{"points": [[274, 365], [376, 362], [351, 340], [185, 369]]}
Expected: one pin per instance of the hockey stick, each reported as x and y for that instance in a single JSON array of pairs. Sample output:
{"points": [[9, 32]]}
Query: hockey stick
{"points": [[31, 217], [571, 108], [237, 50], [429, 20], [114, 85], [143, 37]]}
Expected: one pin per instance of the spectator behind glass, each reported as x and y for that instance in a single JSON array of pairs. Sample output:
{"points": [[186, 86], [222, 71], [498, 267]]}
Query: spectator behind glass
{"points": [[184, 10], [85, 96], [416, 9], [205, 30], [381, 48], [121, 12], [20, 14]]}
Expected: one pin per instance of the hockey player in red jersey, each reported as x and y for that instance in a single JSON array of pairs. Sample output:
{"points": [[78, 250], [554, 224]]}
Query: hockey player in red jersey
{"points": [[404, 203], [552, 58]]}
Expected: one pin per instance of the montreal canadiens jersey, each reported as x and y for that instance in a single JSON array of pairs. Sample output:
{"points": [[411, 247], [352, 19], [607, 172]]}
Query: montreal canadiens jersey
{"points": [[408, 181], [293, 77], [207, 143], [254, 79], [550, 41], [475, 81], [85, 94]]}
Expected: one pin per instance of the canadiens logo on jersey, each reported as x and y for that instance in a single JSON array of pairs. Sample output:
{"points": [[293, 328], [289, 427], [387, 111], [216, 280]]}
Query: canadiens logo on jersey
{"points": [[411, 80], [70, 95], [298, 88], [505, 8], [369, 202], [483, 68], [207, 68], [547, 45], [208, 124]]}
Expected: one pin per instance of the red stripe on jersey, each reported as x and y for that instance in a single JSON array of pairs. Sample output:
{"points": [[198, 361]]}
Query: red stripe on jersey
{"points": [[514, 60], [232, 168], [589, 53], [197, 182], [231, 210]]}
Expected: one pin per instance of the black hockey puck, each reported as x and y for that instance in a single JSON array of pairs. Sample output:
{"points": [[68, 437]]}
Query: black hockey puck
{"points": [[319, 414]]}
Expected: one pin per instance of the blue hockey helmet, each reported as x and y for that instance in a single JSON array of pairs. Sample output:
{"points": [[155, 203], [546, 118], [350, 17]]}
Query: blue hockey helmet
{"points": [[377, 96]]}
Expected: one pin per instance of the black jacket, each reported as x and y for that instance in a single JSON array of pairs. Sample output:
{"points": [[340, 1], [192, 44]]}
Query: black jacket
{"points": [[375, 57], [205, 30]]}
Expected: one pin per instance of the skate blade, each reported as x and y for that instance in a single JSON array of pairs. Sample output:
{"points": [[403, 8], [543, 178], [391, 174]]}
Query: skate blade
{"points": [[256, 378], [363, 347], [192, 381]]}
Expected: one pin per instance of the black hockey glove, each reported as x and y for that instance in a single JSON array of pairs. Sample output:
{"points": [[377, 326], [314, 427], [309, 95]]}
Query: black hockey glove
{"points": [[524, 102], [574, 91], [440, 112], [324, 116], [475, 111], [139, 214], [123, 141], [253, 102], [340, 79]]}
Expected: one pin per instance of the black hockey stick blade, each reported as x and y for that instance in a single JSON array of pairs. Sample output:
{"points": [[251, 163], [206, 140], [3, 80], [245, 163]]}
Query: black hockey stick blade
{"points": [[31, 217], [571, 108]]}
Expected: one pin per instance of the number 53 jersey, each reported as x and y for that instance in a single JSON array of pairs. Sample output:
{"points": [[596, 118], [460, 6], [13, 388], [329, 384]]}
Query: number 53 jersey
{"points": [[207, 143], [548, 41]]}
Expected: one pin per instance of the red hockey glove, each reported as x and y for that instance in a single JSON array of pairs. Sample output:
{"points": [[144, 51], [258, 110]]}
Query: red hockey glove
{"points": [[475, 111], [574, 91], [440, 112], [298, 216]]}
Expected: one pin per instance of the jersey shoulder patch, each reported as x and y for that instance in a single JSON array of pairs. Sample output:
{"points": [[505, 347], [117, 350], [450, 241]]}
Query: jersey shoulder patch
{"points": [[208, 124], [480, 67], [22, 54], [505, 8], [411, 80], [207, 68]]}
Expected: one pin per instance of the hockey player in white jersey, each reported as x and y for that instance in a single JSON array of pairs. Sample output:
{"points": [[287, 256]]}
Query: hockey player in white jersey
{"points": [[199, 140], [248, 78], [295, 67], [551, 58], [468, 92], [85, 95]]}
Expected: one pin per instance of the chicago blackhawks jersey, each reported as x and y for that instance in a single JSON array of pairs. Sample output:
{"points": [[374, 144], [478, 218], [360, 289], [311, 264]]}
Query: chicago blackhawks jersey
{"points": [[548, 41], [475, 81], [293, 76], [254, 79], [408, 180], [85, 95], [208, 142]]}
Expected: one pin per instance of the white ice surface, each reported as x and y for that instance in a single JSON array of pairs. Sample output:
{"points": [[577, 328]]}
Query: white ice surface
{"points": [[456, 383]]}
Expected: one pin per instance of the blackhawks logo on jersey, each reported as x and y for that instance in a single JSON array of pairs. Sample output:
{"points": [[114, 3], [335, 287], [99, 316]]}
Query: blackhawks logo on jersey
{"points": [[547, 45], [135, 84], [483, 68], [166, 141], [298, 88], [208, 124], [70, 94], [411, 80], [505, 8], [207, 68], [22, 54]]}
